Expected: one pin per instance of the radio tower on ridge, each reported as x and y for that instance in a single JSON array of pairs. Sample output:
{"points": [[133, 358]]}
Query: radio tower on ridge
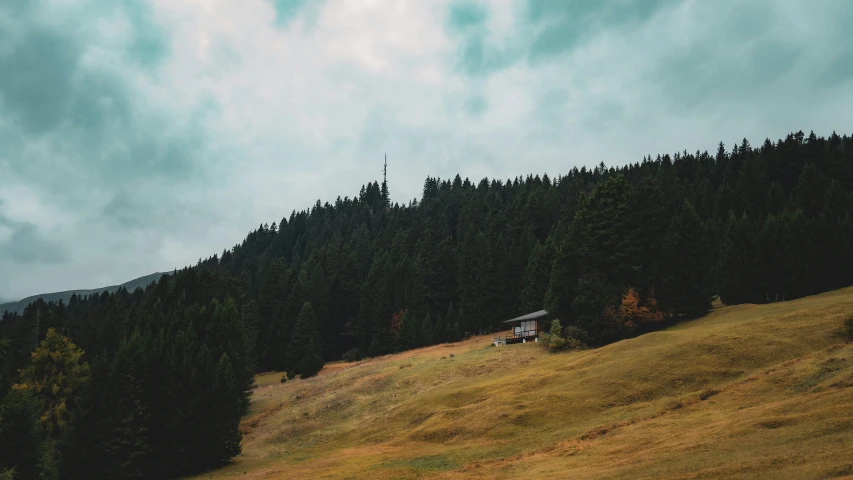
{"points": [[386, 200]]}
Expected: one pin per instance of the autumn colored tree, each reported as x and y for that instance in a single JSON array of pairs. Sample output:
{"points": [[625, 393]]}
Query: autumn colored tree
{"points": [[58, 376], [633, 313], [396, 322]]}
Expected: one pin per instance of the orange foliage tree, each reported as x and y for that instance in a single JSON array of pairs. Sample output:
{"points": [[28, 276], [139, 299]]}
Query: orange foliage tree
{"points": [[396, 322], [633, 312]]}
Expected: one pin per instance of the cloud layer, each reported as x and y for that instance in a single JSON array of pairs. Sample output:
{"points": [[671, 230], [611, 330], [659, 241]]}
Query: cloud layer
{"points": [[138, 137]]}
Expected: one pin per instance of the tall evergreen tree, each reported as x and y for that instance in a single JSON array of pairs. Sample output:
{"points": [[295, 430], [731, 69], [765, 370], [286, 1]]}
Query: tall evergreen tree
{"points": [[685, 289], [303, 346], [427, 329], [738, 261], [536, 278]]}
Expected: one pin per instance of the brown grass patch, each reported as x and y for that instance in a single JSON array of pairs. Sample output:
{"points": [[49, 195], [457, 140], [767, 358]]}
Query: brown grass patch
{"points": [[750, 391]]}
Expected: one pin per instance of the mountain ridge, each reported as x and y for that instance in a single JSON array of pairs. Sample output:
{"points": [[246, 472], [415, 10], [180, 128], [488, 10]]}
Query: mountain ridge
{"points": [[20, 305]]}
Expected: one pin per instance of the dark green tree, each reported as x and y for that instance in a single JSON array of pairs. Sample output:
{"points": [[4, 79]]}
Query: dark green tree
{"points": [[738, 262], [536, 278], [304, 342], [427, 329], [24, 442], [685, 288]]}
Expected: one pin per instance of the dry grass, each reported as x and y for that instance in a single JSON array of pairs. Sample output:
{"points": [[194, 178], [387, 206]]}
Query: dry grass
{"points": [[745, 392]]}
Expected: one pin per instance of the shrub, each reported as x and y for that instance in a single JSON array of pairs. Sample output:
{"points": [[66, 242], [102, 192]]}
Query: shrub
{"points": [[559, 338], [848, 327], [352, 355], [576, 333]]}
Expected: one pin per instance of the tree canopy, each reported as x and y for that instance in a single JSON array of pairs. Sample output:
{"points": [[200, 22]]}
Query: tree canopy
{"points": [[155, 380]]}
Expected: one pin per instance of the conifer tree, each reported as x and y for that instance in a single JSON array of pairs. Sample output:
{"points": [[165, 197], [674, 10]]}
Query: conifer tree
{"points": [[649, 220], [227, 336], [312, 361], [462, 321], [536, 278], [303, 346], [738, 261], [450, 316], [562, 285], [601, 232], [684, 288], [408, 336], [24, 443], [124, 413], [58, 376], [249, 317], [810, 189], [438, 330], [456, 333], [426, 338], [5, 365], [591, 299]]}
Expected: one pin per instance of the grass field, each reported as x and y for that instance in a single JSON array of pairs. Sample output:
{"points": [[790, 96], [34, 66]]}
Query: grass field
{"points": [[745, 392]]}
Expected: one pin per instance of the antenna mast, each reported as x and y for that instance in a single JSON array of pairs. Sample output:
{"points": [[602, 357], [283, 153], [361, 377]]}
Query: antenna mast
{"points": [[386, 201]]}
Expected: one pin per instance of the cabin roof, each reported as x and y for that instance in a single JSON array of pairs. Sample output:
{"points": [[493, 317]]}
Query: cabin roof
{"points": [[529, 316]]}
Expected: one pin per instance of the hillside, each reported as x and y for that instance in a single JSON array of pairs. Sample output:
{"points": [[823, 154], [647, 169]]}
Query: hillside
{"points": [[608, 251], [747, 391], [19, 306]]}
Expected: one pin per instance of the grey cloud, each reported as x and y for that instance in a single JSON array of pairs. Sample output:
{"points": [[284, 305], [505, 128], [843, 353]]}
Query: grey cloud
{"points": [[288, 10], [839, 71], [476, 105], [124, 212], [545, 29], [149, 43], [28, 245], [38, 76], [477, 54], [704, 73], [85, 109], [466, 14], [562, 25], [85, 136]]}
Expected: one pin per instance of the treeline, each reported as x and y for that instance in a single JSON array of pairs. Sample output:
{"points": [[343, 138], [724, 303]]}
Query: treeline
{"points": [[158, 393], [365, 277]]}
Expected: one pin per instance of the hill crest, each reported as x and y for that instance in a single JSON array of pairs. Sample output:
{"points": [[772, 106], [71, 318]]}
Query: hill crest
{"points": [[20, 305]]}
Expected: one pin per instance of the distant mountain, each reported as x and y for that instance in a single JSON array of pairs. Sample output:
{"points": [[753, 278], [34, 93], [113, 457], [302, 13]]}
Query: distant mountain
{"points": [[20, 305]]}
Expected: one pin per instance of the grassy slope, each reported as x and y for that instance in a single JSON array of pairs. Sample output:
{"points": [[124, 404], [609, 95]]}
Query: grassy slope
{"points": [[745, 392]]}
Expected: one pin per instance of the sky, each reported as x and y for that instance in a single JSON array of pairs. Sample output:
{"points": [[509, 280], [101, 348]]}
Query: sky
{"points": [[138, 137]]}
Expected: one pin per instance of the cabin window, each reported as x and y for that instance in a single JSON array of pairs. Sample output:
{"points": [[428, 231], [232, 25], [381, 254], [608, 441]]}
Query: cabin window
{"points": [[525, 329]]}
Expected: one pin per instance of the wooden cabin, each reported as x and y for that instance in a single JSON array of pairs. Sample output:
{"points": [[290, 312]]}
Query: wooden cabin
{"points": [[522, 329]]}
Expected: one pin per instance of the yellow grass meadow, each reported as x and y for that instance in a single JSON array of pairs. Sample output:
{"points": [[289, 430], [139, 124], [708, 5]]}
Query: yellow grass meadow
{"points": [[748, 391]]}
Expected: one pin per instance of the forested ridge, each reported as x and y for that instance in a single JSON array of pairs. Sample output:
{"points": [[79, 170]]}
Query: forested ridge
{"points": [[152, 384]]}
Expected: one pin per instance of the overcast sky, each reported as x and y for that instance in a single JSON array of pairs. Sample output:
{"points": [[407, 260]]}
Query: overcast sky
{"points": [[138, 137]]}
